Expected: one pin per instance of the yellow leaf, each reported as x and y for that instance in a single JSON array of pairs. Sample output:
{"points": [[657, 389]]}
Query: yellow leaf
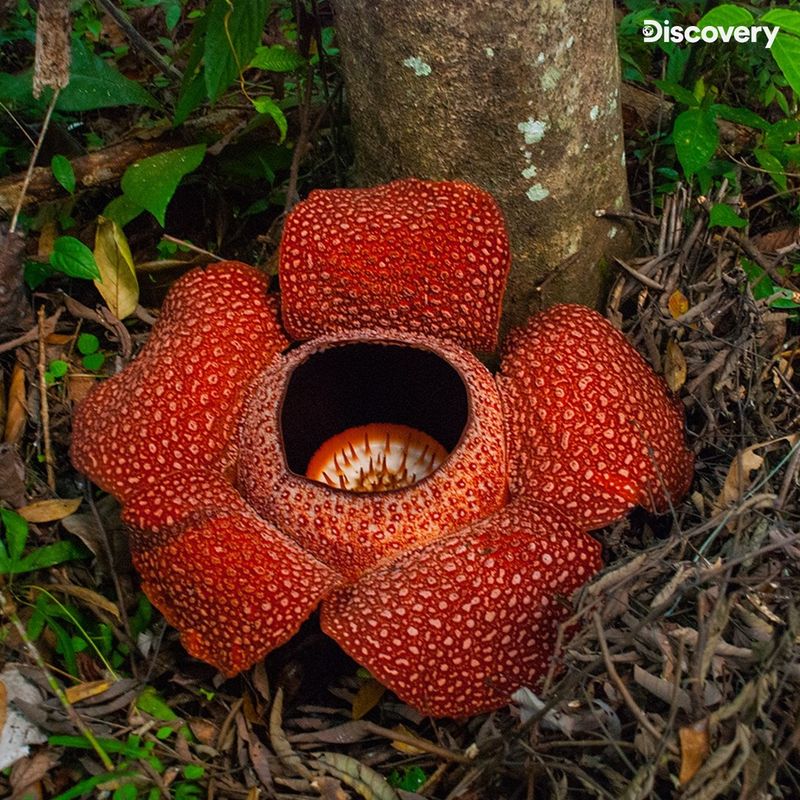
{"points": [[16, 411], [119, 286], [694, 750], [49, 510], [678, 304], [367, 697], [674, 366], [403, 747], [83, 691]]}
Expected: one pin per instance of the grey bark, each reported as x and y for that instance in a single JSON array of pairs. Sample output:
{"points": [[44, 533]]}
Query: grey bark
{"points": [[520, 97]]}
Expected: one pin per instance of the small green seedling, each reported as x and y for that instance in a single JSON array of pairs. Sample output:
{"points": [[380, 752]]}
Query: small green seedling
{"points": [[14, 561], [89, 348]]}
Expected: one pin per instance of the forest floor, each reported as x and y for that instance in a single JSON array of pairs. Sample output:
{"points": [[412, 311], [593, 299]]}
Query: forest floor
{"points": [[684, 672]]}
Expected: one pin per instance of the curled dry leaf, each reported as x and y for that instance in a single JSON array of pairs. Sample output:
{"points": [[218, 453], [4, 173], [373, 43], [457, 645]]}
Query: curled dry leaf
{"points": [[49, 510], [363, 779], [16, 410], [280, 744], [737, 481], [674, 366], [694, 749], [118, 283]]}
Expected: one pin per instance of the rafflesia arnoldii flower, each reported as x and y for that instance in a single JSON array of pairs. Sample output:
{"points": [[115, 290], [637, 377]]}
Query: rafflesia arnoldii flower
{"points": [[437, 512]]}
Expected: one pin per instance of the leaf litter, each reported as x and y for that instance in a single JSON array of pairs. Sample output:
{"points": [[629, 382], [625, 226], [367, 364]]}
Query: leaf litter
{"points": [[682, 677]]}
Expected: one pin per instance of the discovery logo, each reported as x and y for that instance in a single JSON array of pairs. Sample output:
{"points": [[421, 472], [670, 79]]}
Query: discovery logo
{"points": [[655, 31]]}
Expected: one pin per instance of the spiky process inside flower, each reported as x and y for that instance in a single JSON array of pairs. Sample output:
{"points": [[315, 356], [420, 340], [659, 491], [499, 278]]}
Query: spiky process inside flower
{"points": [[376, 458]]}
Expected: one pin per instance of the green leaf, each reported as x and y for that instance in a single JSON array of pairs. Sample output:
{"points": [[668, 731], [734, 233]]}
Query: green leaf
{"points": [[266, 105], [50, 555], [122, 210], [94, 362], [172, 13], [784, 130], [696, 138], [37, 272], [772, 166], [63, 172], [88, 343], [786, 52], [787, 21], [234, 31], [152, 181], [193, 772], [151, 703], [722, 215], [73, 258], [58, 368], [16, 532], [277, 58], [726, 15], [741, 116], [678, 92], [191, 96], [95, 84], [127, 791]]}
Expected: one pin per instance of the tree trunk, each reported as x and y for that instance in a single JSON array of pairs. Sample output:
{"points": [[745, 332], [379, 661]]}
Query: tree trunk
{"points": [[519, 97]]}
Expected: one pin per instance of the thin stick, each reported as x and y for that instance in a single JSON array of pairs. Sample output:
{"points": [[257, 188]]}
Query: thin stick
{"points": [[32, 163], [639, 277], [33, 334], [420, 744], [194, 247], [44, 411]]}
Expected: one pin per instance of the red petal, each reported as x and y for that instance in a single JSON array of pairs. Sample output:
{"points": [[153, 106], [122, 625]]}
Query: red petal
{"points": [[353, 531], [411, 255], [591, 428], [175, 407], [456, 626], [233, 585]]}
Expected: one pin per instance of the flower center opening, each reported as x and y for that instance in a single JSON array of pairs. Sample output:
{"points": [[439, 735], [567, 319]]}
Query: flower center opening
{"points": [[372, 417]]}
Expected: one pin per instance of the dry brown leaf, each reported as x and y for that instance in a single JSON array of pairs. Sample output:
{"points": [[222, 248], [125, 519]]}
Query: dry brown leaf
{"points": [[367, 697], [205, 731], [78, 386], [16, 410], [89, 597], [694, 749], [12, 476], [746, 461], [777, 239], [59, 338], [678, 304], [674, 366], [83, 691], [49, 510], [118, 284], [47, 237]]}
